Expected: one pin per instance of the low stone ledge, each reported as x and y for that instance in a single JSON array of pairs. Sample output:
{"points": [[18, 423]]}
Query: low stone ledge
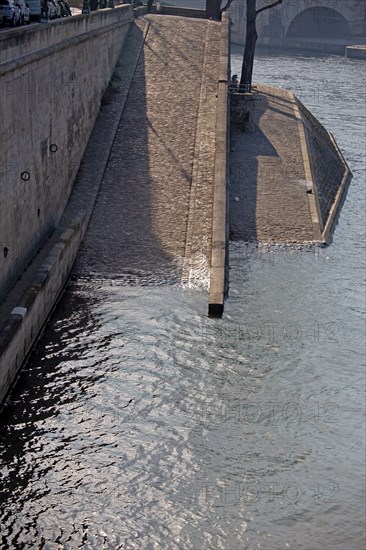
{"points": [[219, 253], [329, 170], [140, 11], [35, 305], [9, 330], [28, 297]]}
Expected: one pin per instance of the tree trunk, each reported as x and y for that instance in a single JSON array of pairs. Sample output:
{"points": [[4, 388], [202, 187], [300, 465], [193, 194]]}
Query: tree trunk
{"points": [[250, 42]]}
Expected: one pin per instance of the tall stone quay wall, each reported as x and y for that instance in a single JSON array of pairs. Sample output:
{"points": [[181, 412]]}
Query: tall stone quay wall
{"points": [[52, 79]]}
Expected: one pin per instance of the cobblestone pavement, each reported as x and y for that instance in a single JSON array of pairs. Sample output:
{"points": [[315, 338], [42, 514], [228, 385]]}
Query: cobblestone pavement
{"points": [[268, 198], [154, 205]]}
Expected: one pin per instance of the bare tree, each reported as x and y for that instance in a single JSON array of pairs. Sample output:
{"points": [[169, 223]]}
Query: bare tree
{"points": [[214, 10], [251, 40]]}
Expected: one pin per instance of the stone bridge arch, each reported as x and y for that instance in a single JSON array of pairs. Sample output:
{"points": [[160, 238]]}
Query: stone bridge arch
{"points": [[346, 16], [319, 22]]}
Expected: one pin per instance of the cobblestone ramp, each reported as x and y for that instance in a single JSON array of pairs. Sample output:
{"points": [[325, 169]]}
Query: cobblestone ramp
{"points": [[154, 208]]}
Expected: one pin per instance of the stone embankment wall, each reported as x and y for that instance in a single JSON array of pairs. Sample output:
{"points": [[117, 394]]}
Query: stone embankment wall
{"points": [[52, 79], [330, 171], [33, 307]]}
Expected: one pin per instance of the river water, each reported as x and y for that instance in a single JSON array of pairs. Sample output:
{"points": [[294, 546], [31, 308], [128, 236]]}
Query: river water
{"points": [[138, 423]]}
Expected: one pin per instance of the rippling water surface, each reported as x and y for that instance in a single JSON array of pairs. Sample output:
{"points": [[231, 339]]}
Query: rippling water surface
{"points": [[139, 423]]}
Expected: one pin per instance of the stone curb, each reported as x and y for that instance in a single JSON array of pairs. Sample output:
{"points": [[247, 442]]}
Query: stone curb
{"points": [[310, 183], [219, 254], [140, 11], [340, 195], [356, 52], [27, 319]]}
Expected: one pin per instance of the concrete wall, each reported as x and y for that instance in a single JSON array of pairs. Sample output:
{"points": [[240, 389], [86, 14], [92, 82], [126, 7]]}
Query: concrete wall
{"points": [[52, 78]]}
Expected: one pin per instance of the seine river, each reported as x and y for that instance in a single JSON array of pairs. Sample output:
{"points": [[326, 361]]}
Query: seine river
{"points": [[139, 423]]}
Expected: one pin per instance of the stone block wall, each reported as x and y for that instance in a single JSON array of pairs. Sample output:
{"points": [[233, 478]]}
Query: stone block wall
{"points": [[327, 165], [52, 79]]}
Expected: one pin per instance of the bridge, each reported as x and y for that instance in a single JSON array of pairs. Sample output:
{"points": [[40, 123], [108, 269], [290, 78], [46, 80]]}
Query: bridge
{"points": [[305, 23]]}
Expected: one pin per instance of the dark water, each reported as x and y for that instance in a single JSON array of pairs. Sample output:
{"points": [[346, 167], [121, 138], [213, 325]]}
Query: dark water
{"points": [[140, 424]]}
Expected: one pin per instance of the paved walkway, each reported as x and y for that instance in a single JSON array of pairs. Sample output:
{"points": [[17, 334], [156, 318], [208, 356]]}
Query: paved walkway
{"points": [[154, 207], [268, 198]]}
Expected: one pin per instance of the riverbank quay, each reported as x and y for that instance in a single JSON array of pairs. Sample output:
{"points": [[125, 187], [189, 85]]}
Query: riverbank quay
{"points": [[144, 187], [287, 176]]}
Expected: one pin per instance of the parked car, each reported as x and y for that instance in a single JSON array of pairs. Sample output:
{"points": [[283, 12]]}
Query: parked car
{"points": [[10, 12], [24, 11], [45, 9]]}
